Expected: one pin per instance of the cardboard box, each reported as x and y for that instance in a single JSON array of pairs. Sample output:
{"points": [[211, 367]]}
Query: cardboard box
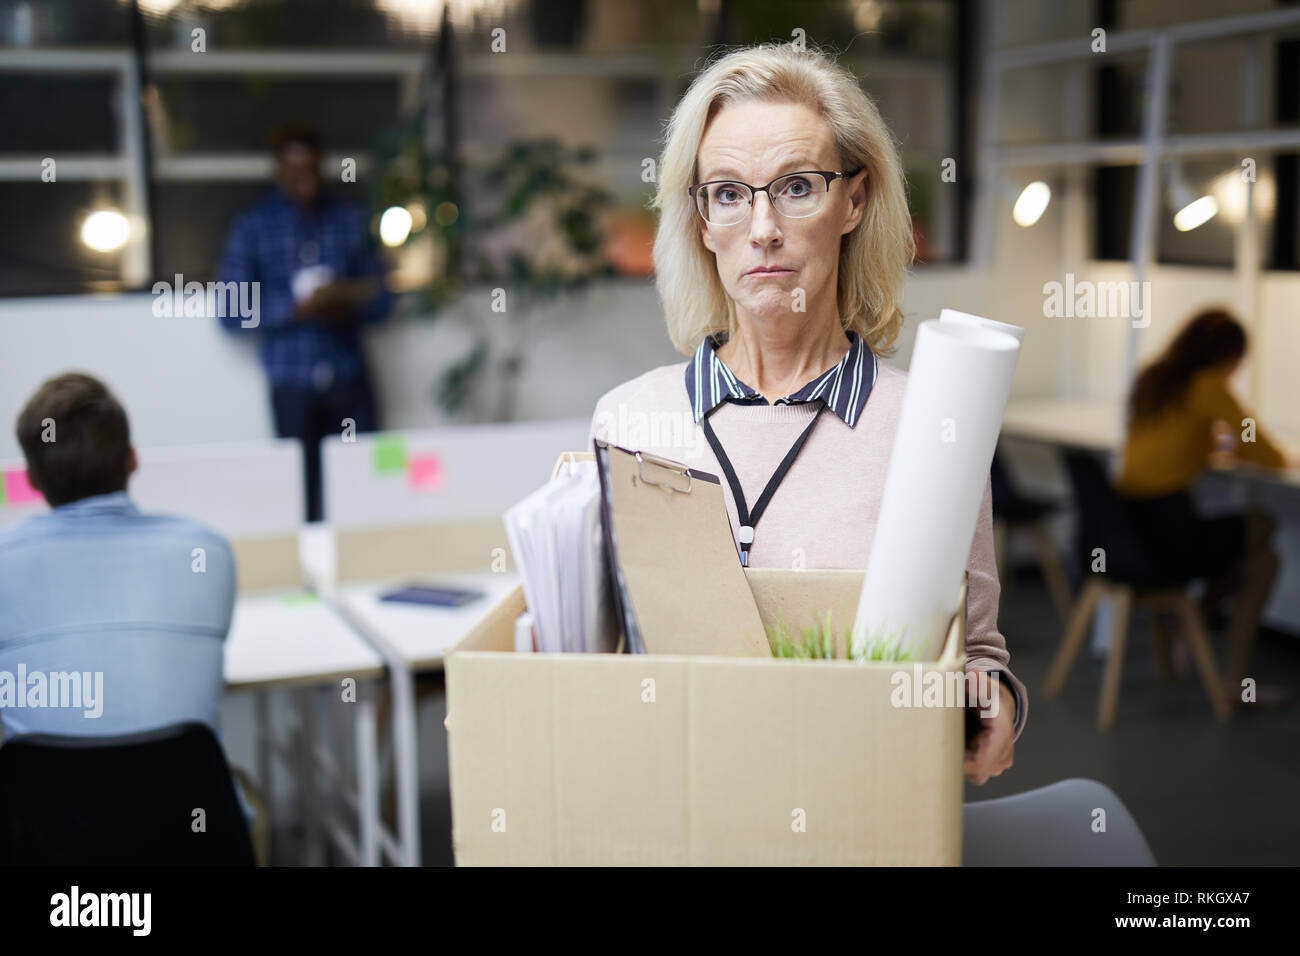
{"points": [[577, 759]]}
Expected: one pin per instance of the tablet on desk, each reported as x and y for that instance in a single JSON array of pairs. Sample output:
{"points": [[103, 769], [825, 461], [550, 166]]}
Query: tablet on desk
{"points": [[432, 595]]}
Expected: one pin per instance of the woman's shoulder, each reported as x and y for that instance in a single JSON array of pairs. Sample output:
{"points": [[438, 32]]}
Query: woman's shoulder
{"points": [[889, 387], [891, 377], [655, 393], [660, 385]]}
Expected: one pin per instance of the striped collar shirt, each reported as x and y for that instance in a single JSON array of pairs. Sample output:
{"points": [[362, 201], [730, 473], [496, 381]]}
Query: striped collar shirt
{"points": [[844, 388]]}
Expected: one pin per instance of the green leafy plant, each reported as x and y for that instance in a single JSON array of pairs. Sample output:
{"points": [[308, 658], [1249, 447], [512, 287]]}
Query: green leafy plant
{"points": [[538, 235], [526, 218], [819, 642], [887, 646]]}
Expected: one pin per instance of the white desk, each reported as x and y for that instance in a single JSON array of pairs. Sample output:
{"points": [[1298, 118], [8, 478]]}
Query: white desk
{"points": [[416, 634], [1077, 423], [295, 640], [413, 639], [1096, 425]]}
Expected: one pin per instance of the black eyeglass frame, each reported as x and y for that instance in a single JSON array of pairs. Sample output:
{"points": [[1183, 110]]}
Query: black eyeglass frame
{"points": [[829, 175]]}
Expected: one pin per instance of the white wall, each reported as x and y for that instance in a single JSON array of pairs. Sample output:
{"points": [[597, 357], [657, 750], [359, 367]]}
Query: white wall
{"points": [[186, 381], [182, 380], [1090, 351]]}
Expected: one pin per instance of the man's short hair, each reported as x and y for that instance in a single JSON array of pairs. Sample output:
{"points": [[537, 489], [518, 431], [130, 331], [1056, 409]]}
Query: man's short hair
{"points": [[76, 440], [295, 134]]}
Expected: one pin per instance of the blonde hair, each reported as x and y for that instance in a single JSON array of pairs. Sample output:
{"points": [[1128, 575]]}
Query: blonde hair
{"points": [[874, 257]]}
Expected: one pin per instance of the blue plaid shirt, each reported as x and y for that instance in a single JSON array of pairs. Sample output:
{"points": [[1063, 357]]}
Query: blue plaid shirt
{"points": [[269, 244]]}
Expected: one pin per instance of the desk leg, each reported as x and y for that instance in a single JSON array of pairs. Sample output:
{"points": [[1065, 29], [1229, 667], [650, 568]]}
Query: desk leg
{"points": [[308, 792], [367, 779], [406, 755], [262, 717], [1102, 626]]}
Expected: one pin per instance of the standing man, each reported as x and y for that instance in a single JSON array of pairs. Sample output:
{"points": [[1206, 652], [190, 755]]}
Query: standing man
{"points": [[321, 279]]}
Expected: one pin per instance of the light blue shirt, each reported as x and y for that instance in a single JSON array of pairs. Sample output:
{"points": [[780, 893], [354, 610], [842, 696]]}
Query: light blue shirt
{"points": [[111, 621]]}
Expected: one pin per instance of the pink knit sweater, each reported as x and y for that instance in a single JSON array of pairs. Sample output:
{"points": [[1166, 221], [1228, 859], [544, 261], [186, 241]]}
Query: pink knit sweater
{"points": [[824, 513]]}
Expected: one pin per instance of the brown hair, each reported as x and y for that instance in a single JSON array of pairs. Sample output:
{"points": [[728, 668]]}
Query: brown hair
{"points": [[91, 444], [1212, 337]]}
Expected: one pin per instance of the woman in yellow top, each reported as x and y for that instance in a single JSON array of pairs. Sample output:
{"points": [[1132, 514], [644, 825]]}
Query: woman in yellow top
{"points": [[1181, 415]]}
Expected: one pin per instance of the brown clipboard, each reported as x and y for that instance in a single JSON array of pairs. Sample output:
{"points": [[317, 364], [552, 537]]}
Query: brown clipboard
{"points": [[677, 577]]}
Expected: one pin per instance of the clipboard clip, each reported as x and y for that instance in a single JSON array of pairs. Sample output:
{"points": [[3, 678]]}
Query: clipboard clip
{"points": [[672, 466]]}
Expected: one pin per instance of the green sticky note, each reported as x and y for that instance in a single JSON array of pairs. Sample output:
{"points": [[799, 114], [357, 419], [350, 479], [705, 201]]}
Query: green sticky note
{"points": [[305, 597], [389, 455], [2, 492]]}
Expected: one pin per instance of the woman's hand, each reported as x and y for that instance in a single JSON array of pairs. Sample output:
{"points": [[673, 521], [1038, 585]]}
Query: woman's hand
{"points": [[990, 751]]}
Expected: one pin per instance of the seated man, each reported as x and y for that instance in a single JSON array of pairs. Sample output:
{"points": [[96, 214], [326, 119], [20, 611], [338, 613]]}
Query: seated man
{"points": [[131, 608], [111, 621]]}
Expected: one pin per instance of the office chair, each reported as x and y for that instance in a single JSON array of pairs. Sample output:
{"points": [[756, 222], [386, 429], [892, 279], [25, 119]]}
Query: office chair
{"points": [[1056, 825], [1014, 511], [1130, 576], [128, 800]]}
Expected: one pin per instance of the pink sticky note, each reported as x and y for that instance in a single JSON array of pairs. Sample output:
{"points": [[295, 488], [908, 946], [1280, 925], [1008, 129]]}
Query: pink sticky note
{"points": [[424, 472], [18, 490]]}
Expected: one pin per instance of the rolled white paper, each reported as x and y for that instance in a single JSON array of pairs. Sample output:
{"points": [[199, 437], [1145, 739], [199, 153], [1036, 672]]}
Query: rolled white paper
{"points": [[952, 315], [957, 390]]}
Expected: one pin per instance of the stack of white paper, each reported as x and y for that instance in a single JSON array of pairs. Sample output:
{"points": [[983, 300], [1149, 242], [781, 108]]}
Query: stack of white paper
{"points": [[555, 534], [957, 390]]}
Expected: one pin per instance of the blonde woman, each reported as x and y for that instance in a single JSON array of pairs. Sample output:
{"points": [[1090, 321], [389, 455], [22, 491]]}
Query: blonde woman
{"points": [[783, 242]]}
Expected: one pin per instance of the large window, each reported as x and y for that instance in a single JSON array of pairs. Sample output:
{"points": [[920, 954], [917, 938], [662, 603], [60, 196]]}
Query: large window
{"points": [[1244, 84], [136, 131], [64, 82]]}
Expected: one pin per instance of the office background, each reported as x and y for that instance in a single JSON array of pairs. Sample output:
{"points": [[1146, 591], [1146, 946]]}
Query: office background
{"points": [[159, 144]]}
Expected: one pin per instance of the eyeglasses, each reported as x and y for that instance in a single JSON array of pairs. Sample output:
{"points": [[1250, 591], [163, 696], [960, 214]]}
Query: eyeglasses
{"points": [[794, 195]]}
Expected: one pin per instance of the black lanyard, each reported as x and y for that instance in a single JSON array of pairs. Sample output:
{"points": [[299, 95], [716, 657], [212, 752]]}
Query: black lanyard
{"points": [[747, 520]]}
